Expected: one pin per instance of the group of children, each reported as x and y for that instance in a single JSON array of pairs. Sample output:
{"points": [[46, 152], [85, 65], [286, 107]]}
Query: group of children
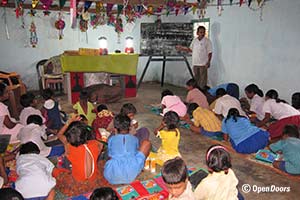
{"points": [[84, 135]]}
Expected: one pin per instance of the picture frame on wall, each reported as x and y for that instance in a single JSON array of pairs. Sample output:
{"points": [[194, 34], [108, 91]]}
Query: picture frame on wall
{"points": [[201, 22]]}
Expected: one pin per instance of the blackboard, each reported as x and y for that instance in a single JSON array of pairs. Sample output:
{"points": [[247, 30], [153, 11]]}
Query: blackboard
{"points": [[160, 39]]}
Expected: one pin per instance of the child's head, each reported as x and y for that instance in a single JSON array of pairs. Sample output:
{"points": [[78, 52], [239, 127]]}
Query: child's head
{"points": [[3, 91], [34, 119], [83, 119], [233, 113], [191, 108], [290, 131], [84, 95], [78, 133], [101, 107], [220, 92], [218, 159], [253, 89], [171, 119], [191, 84], [175, 174], [129, 110], [272, 94], [104, 193], [29, 148], [47, 94], [296, 100], [27, 100], [122, 123], [166, 93], [10, 194]]}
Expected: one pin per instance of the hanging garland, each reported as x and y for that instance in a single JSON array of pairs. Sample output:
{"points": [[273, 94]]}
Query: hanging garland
{"points": [[33, 35], [60, 25]]}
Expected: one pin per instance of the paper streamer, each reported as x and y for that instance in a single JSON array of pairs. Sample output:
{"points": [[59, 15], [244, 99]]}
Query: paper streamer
{"points": [[73, 13]]}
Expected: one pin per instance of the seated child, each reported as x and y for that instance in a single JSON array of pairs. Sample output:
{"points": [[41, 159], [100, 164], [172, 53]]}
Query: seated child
{"points": [[175, 175], [195, 95], [231, 89], [34, 132], [82, 150], [296, 100], [10, 194], [103, 118], [169, 139], [51, 111], [29, 103], [221, 183], [104, 193], [127, 158], [171, 102], [244, 137], [289, 146], [84, 107], [205, 121], [34, 173], [7, 124]]}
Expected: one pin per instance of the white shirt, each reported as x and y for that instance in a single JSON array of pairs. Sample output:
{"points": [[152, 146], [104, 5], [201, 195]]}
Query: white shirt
{"points": [[33, 133], [26, 112], [224, 103], [3, 112], [279, 110], [35, 176], [200, 51], [256, 105]]}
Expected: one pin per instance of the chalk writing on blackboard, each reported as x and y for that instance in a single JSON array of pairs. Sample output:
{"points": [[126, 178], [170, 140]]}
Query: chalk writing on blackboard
{"points": [[160, 39]]}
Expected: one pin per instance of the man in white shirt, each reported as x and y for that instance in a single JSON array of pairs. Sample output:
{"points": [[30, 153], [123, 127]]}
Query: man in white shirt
{"points": [[201, 49]]}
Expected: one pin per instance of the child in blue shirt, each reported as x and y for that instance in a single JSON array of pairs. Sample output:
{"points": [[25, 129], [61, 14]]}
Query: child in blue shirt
{"points": [[289, 146], [244, 137], [126, 157]]}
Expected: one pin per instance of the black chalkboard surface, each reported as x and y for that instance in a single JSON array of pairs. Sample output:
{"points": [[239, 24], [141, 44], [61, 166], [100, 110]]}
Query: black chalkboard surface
{"points": [[160, 39]]}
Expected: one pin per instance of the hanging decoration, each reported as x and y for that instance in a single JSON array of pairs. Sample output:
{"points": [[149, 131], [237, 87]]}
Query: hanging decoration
{"points": [[241, 2], [60, 25], [46, 4], [109, 7], [83, 23], [99, 17], [119, 28], [34, 3], [194, 8], [4, 2], [230, 2], [62, 3], [33, 35], [5, 23], [19, 9], [249, 3], [219, 7], [73, 13], [259, 2], [87, 5], [202, 6], [186, 9]]}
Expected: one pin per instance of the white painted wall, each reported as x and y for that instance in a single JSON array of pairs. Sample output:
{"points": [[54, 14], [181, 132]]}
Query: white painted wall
{"points": [[246, 49]]}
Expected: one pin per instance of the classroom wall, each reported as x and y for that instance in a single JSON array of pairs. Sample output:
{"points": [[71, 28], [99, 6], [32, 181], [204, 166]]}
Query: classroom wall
{"points": [[245, 49]]}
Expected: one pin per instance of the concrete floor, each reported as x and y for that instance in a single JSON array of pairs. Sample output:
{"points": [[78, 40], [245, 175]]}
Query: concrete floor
{"points": [[193, 147]]}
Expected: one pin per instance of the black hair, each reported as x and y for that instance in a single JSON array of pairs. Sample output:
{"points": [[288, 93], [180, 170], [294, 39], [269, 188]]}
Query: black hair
{"points": [[201, 27], [79, 133], [291, 131], [47, 94], [191, 108], [273, 94], [221, 92], [101, 107], [166, 93], [122, 122], [104, 193], [296, 100], [10, 194], [83, 117], [128, 108], [252, 88], [29, 147], [2, 89], [171, 119], [192, 82], [27, 99], [84, 95], [35, 119], [234, 113], [174, 171], [218, 159]]}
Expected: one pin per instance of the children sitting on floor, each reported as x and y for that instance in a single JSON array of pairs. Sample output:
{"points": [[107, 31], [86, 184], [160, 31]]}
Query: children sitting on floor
{"points": [[221, 183], [104, 193], [127, 158], [244, 137], [171, 102], [296, 100], [255, 95], [34, 173], [29, 103], [51, 111], [82, 150], [103, 118], [205, 121], [175, 175], [169, 139], [289, 147], [281, 111], [7, 124], [195, 95], [35, 132], [84, 107]]}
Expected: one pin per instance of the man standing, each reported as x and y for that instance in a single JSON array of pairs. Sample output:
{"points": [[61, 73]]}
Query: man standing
{"points": [[201, 49]]}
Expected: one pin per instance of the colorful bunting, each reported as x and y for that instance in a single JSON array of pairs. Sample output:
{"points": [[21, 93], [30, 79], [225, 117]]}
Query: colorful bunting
{"points": [[60, 25], [87, 5], [62, 3], [34, 3], [73, 13]]}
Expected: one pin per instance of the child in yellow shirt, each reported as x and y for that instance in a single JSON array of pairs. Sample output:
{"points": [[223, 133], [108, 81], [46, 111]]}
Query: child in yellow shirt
{"points": [[84, 107]]}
